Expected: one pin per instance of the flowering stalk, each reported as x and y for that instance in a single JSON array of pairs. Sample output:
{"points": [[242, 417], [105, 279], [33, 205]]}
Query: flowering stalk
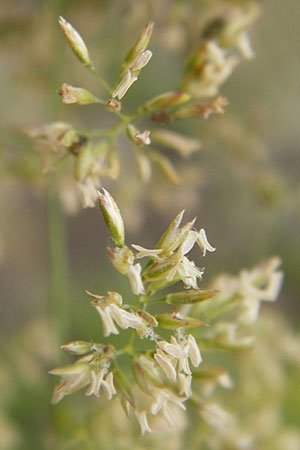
{"points": [[163, 374], [168, 360], [207, 69]]}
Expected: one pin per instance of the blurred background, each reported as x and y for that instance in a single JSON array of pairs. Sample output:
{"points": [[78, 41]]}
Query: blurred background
{"points": [[243, 185]]}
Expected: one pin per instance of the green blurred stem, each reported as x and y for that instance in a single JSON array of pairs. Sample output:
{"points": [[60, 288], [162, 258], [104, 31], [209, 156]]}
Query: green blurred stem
{"points": [[59, 278], [58, 269]]}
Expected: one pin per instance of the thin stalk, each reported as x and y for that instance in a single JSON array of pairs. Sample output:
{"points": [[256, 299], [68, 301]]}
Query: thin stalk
{"points": [[113, 132], [99, 101], [100, 79], [91, 133], [131, 339]]}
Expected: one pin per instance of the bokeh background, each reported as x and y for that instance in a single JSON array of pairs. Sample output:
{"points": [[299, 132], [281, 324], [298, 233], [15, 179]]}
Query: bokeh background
{"points": [[243, 185]]}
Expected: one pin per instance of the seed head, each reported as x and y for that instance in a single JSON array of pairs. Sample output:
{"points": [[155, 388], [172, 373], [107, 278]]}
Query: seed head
{"points": [[76, 42], [112, 217]]}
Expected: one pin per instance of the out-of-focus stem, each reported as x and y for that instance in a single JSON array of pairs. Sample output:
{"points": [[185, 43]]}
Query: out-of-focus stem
{"points": [[58, 268], [58, 282]]}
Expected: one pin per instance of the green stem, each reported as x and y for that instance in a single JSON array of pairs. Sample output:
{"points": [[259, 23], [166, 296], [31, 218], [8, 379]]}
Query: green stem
{"points": [[100, 79], [155, 300], [59, 286], [135, 307], [113, 132], [99, 101], [91, 133], [131, 339]]}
